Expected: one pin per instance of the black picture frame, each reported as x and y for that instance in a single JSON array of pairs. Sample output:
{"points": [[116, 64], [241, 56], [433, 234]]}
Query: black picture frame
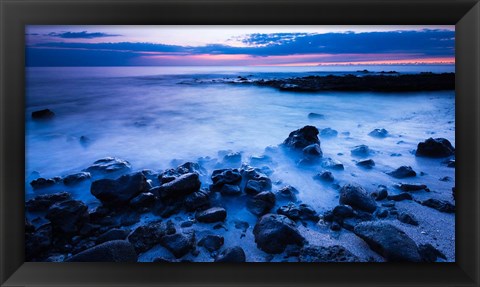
{"points": [[15, 14]]}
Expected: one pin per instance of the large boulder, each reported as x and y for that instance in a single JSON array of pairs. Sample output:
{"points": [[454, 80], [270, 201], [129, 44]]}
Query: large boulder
{"points": [[220, 177], [179, 244], [403, 172], [197, 200], [388, 241], [232, 254], [41, 182], [438, 147], [111, 251], [146, 236], [301, 138], [334, 253], [356, 196], [67, 217], [261, 203], [117, 192], [109, 165], [76, 178], [43, 202], [183, 185], [274, 232]]}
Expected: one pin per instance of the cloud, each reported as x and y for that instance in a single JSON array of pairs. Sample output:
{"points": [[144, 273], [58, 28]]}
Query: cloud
{"points": [[81, 35]]}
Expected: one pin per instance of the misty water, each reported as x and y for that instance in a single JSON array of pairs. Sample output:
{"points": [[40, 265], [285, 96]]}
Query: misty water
{"points": [[160, 117]]}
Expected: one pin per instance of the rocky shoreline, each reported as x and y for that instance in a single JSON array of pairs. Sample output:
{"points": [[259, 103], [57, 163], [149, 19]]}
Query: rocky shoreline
{"points": [[138, 211]]}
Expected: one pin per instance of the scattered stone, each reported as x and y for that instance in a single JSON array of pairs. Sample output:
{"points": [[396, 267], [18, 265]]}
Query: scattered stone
{"points": [[119, 191], [146, 236], [183, 185], [312, 151], [333, 164], [378, 133], [179, 244], [411, 187], [356, 196], [76, 178], [368, 163], [301, 138], [316, 116], [290, 210], [438, 147], [343, 211], [430, 253], [197, 201], [380, 194], [407, 218], [288, 193], [109, 165], [232, 254], [308, 213], [143, 200], [335, 226], [328, 133], [111, 251], [400, 197], [333, 253], [257, 186], [67, 217], [388, 241], [440, 205], [112, 234], [361, 151], [211, 242], [230, 190], [43, 202], [381, 213], [325, 176], [41, 182], [38, 242], [45, 114], [211, 215], [273, 232], [403, 172], [261, 203]]}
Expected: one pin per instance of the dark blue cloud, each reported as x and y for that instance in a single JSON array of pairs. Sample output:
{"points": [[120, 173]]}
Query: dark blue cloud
{"points": [[81, 35]]}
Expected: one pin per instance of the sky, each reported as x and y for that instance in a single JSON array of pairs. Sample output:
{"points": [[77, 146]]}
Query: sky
{"points": [[238, 45]]}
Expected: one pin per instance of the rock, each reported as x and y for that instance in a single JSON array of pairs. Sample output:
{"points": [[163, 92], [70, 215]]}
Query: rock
{"points": [[355, 196], [232, 254], [403, 172], [179, 244], [257, 186], [230, 190], [242, 225], [445, 179], [301, 138], [290, 210], [361, 151], [76, 178], [43, 202], [41, 182], [233, 158], [335, 226], [380, 194], [109, 165], [378, 133], [333, 164], [38, 242], [440, 205], [259, 160], [315, 116], [430, 253], [451, 163], [308, 213], [273, 232], [411, 187], [112, 234], [333, 253], [400, 197], [211, 215], [325, 176], [197, 200], [343, 211], [381, 213], [407, 218], [190, 167], [67, 217], [226, 176], [211, 242], [261, 203], [287, 193], [143, 200], [146, 236], [118, 192], [328, 133], [312, 151], [45, 114], [111, 251], [368, 163], [438, 147], [388, 241], [183, 185]]}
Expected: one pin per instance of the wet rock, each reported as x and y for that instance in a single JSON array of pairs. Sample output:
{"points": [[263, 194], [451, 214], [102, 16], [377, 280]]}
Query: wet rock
{"points": [[409, 187], [361, 151], [380, 194], [211, 215], [261, 203], [220, 177], [257, 186], [328, 133], [290, 210], [118, 192], [325, 176], [183, 185], [233, 158], [112, 234], [313, 116], [179, 244], [109, 165], [273, 232], [312, 151], [230, 190], [403, 172], [436, 148], [76, 178], [301, 138], [41, 182], [143, 200], [381, 213], [407, 218], [287, 193], [38, 242], [451, 163], [430, 253], [446, 179], [400, 197], [190, 167], [197, 200], [368, 163], [335, 226], [67, 217], [232, 254], [146, 236], [343, 211], [259, 160], [44, 114], [333, 253], [388, 241], [43, 202], [308, 213], [211, 242], [111, 251], [378, 133], [440, 205], [356, 196], [333, 164]]}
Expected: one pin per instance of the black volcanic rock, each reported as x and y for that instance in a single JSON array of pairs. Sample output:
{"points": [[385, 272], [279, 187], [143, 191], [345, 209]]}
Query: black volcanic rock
{"points": [[41, 182], [109, 165], [400, 197], [325, 176], [361, 151], [76, 178], [273, 232], [261, 203], [43, 202], [301, 138], [179, 244], [335, 253], [183, 185], [146, 236], [120, 191], [45, 114], [211, 242], [368, 163], [440, 205], [111, 251], [403, 172], [378, 133], [211, 215], [356, 196], [232, 254], [436, 148], [67, 217], [410, 187]]}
